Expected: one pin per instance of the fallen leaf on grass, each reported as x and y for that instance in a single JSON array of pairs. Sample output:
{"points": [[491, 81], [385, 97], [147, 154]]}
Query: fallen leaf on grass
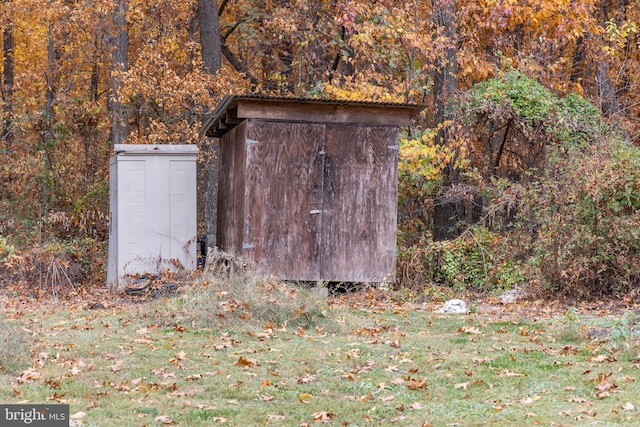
{"points": [[578, 400], [604, 386], [78, 415], [57, 397], [467, 329], [603, 358], [304, 397], [177, 393], [306, 379], [248, 363], [628, 406], [416, 384], [178, 357], [265, 398], [508, 373], [116, 367], [274, 417], [354, 353], [529, 400], [164, 419], [461, 385], [322, 417], [417, 405], [28, 375]]}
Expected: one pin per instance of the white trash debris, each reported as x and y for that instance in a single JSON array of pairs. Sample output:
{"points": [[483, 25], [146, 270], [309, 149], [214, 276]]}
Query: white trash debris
{"points": [[454, 306]]}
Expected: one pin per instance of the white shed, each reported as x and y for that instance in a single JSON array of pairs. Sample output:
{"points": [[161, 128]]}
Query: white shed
{"points": [[152, 218]]}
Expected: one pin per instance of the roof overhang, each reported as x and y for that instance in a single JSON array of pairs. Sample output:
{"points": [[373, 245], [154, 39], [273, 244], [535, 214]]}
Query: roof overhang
{"points": [[235, 108]]}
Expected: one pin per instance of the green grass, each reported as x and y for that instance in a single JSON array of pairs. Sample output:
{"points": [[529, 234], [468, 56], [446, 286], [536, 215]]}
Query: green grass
{"points": [[16, 346], [156, 363]]}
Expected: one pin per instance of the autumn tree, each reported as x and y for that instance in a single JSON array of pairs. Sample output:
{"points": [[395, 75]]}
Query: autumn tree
{"points": [[445, 70], [7, 84], [119, 113], [211, 48]]}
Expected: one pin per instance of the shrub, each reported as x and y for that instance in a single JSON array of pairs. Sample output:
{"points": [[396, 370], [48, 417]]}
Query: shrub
{"points": [[6, 250], [479, 260], [585, 211], [53, 269]]}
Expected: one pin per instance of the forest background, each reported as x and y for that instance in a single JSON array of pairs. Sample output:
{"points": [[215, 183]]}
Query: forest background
{"points": [[523, 170]]}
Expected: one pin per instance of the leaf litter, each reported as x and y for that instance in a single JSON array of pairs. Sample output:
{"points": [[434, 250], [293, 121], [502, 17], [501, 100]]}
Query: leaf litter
{"points": [[357, 359]]}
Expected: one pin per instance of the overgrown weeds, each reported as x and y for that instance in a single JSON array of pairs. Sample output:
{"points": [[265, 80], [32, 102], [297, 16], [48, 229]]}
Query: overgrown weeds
{"points": [[559, 194], [479, 260], [232, 291], [53, 269]]}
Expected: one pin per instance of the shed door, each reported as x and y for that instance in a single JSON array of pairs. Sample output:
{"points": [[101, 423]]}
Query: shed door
{"points": [[358, 238], [321, 201], [283, 199]]}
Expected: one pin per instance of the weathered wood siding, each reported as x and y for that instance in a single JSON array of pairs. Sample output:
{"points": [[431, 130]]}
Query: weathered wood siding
{"points": [[283, 191], [308, 188], [231, 190], [311, 201], [358, 239]]}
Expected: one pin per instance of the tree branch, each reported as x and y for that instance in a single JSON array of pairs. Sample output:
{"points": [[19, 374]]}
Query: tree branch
{"points": [[237, 64]]}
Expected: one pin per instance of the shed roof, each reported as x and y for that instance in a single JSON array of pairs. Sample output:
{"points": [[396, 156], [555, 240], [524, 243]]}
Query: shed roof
{"points": [[235, 108], [141, 149]]}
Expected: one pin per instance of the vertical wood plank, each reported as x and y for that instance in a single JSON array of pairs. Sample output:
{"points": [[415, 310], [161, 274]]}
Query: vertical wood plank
{"points": [[231, 190], [358, 239], [283, 192]]}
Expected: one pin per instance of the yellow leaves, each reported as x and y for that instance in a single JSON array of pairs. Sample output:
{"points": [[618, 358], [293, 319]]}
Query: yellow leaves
{"points": [[421, 159]]}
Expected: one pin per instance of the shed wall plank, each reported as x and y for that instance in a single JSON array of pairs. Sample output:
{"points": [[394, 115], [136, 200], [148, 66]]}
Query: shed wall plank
{"points": [[231, 190]]}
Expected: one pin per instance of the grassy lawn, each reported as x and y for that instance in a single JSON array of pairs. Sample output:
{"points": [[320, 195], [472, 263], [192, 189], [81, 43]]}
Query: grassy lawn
{"points": [[160, 363]]}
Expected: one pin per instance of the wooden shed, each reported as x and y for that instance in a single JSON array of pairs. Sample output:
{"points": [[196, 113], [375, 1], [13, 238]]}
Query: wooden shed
{"points": [[307, 188]]}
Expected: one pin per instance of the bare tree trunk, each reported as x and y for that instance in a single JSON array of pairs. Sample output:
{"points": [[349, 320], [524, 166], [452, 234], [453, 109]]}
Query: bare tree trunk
{"points": [[210, 41], [7, 87], [119, 111], [47, 135], [211, 46], [578, 62], [607, 97], [444, 79]]}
